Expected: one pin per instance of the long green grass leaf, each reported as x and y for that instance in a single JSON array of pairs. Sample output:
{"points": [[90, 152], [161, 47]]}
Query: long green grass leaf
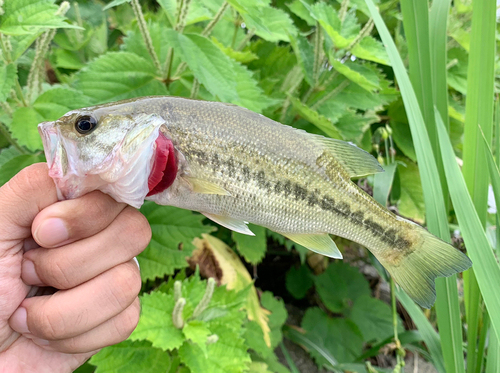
{"points": [[478, 247], [433, 197], [424, 66]]}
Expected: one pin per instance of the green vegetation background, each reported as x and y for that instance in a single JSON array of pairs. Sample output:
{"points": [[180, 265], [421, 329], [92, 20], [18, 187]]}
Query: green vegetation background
{"points": [[332, 68]]}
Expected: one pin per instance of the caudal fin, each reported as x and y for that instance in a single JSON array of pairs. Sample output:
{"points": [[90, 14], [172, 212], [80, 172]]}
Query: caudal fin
{"points": [[418, 270]]}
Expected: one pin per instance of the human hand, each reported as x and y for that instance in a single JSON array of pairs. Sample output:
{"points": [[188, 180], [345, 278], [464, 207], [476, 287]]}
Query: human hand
{"points": [[84, 248]]}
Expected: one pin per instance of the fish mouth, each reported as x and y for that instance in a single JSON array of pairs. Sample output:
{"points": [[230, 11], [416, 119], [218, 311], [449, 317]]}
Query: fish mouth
{"points": [[164, 166], [54, 152]]}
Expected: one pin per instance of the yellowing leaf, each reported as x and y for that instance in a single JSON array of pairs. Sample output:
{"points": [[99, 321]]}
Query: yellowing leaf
{"points": [[217, 260]]}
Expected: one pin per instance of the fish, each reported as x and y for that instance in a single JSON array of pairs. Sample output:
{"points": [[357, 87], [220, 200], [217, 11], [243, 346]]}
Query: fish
{"points": [[237, 167]]}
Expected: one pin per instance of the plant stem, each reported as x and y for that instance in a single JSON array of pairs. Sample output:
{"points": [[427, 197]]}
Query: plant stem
{"points": [[216, 19], [318, 51], [400, 352], [6, 50], [145, 34], [247, 38], [182, 15], [19, 92], [331, 94], [195, 89]]}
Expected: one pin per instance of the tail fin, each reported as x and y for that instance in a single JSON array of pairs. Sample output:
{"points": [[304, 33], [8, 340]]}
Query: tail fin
{"points": [[418, 270]]}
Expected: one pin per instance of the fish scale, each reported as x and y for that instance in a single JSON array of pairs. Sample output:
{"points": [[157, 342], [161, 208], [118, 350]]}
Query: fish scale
{"points": [[236, 166]]}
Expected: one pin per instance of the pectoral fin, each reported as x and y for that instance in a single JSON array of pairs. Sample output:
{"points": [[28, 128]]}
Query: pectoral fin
{"points": [[206, 187], [230, 223], [319, 243]]}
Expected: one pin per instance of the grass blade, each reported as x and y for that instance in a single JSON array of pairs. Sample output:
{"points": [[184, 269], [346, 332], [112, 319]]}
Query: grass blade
{"points": [[478, 247]]}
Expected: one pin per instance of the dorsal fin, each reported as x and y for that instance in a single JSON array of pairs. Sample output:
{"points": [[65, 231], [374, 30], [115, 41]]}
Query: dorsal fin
{"points": [[355, 161]]}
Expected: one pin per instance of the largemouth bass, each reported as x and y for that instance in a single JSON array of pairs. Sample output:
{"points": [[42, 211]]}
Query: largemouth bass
{"points": [[235, 167]]}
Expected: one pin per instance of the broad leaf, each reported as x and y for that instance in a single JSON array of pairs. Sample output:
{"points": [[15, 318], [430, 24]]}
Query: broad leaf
{"points": [[173, 231], [29, 16], [8, 75], [16, 164], [131, 357], [253, 248], [372, 50], [298, 281]]}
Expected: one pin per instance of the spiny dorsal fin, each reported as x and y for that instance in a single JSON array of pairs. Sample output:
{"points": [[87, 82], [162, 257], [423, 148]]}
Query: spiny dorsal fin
{"points": [[319, 243], [230, 223], [355, 161]]}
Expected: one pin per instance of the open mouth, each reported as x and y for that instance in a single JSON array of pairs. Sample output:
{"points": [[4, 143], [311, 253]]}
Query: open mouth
{"points": [[164, 168]]}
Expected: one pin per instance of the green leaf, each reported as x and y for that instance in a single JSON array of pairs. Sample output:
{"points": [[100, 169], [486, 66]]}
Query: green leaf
{"points": [[472, 231], [209, 65], [340, 337], [371, 50], [305, 56], [156, 324], [197, 332], [114, 3], [341, 33], [250, 95], [348, 282], [359, 74], [118, 75], [323, 123], [16, 164], [457, 73], [29, 16], [411, 201], [269, 23], [373, 318], [277, 318], [301, 11], [6, 154], [352, 126], [8, 75], [24, 128], [131, 357], [383, 182], [298, 281], [253, 248], [243, 57], [173, 231]]}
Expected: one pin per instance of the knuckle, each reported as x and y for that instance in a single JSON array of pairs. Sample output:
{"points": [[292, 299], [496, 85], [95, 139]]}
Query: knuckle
{"points": [[58, 275], [137, 229], [128, 320], [49, 324], [126, 284]]}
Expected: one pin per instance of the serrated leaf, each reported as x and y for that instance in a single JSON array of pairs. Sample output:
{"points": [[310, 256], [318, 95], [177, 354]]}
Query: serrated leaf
{"points": [[227, 268], [352, 126], [341, 33], [7, 154], [8, 75], [29, 16], [16, 164], [348, 282], [20, 43], [197, 332], [357, 73], [298, 281], [372, 50], [341, 337], [305, 56], [243, 57], [24, 127], [228, 355], [411, 201], [323, 123], [209, 65], [68, 60], [155, 324], [269, 23], [117, 76], [373, 318], [253, 248], [131, 357], [173, 231], [250, 95]]}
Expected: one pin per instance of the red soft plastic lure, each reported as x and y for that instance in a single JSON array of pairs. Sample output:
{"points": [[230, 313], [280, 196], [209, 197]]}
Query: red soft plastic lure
{"points": [[164, 168]]}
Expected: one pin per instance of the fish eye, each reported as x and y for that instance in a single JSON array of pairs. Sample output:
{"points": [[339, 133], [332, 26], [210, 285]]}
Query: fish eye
{"points": [[85, 124]]}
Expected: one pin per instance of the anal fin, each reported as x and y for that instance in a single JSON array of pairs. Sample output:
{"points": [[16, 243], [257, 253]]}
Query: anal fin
{"points": [[319, 243], [230, 223]]}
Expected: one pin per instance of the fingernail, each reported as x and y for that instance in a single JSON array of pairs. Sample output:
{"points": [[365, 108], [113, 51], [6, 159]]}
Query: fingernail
{"points": [[51, 232], [19, 321], [40, 342], [28, 273]]}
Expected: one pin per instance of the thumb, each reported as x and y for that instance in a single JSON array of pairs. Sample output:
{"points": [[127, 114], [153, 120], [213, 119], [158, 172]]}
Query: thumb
{"points": [[22, 198]]}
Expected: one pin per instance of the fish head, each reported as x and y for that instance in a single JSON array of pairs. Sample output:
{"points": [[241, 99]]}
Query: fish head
{"points": [[102, 148]]}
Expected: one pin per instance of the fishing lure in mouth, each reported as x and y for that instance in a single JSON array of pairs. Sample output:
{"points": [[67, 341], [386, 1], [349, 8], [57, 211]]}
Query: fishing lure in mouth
{"points": [[235, 167]]}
